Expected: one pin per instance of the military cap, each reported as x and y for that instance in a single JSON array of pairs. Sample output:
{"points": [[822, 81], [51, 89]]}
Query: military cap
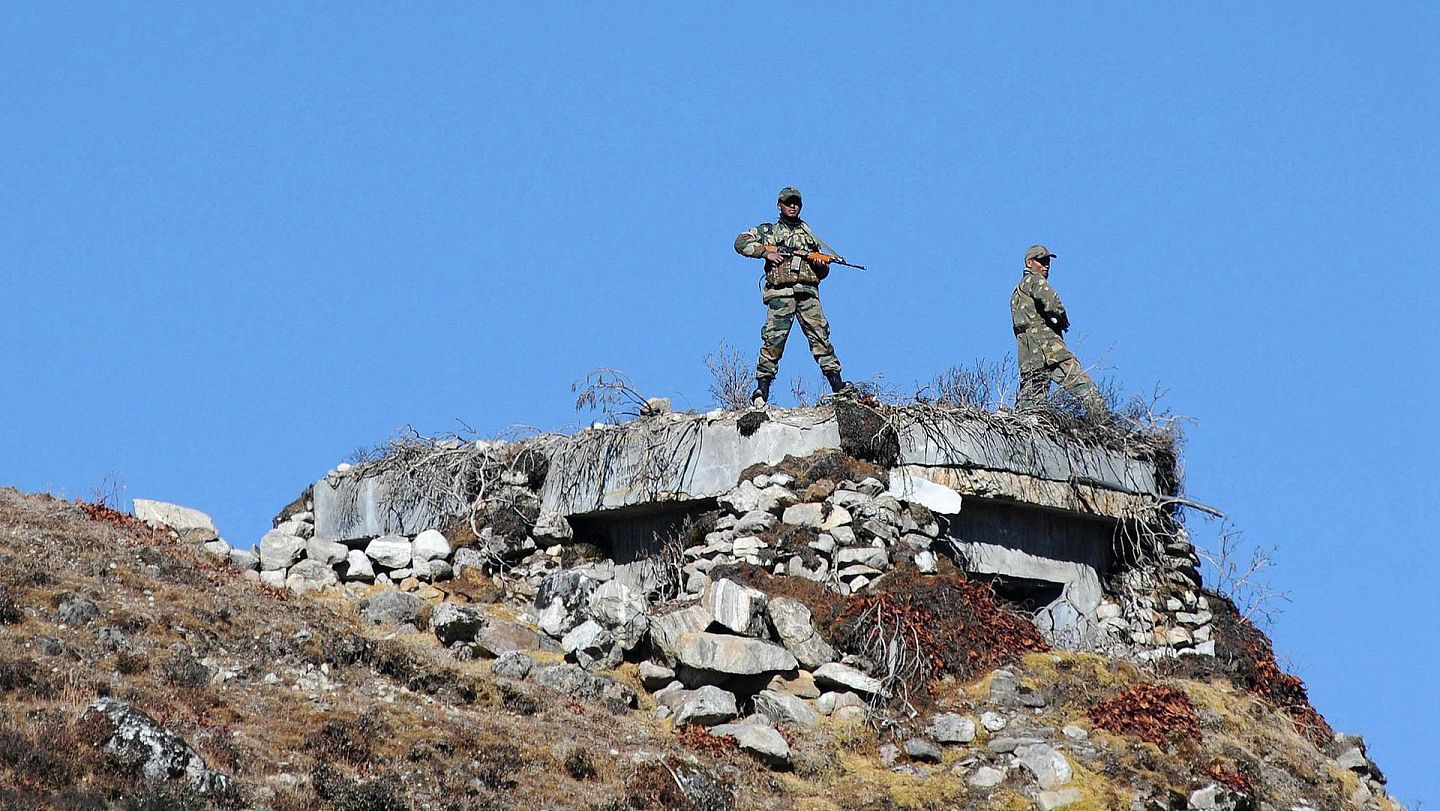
{"points": [[789, 192], [1038, 252]]}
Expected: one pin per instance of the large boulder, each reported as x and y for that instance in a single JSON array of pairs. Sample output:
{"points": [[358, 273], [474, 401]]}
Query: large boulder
{"points": [[592, 647], [739, 608], [706, 706], [327, 552], [785, 710], [391, 607], [190, 524], [280, 551], [429, 545], [310, 575], [835, 674], [666, 630], [454, 623], [794, 626], [732, 655], [759, 740], [497, 637], [390, 551], [146, 750], [561, 601], [1050, 768], [623, 611], [357, 566]]}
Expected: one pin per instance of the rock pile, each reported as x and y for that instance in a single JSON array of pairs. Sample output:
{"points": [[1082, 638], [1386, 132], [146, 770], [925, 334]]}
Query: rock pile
{"points": [[195, 528]]}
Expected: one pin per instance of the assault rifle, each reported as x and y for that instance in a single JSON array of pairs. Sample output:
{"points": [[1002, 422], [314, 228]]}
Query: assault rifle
{"points": [[813, 256]]}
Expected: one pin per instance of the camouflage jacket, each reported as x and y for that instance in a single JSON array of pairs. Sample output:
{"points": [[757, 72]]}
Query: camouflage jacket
{"points": [[794, 276], [1039, 319]]}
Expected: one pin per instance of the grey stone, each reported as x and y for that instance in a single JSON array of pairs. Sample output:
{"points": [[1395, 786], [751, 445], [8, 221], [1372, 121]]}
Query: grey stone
{"points": [[739, 608], [163, 514], [654, 676], [357, 567], [560, 600], [889, 753], [785, 710], [706, 706], [666, 630], [624, 612], [986, 777], [836, 674], [274, 578], [593, 647], [1050, 768], [498, 637], [216, 550], [310, 575], [391, 607], [1075, 733], [1005, 744], [147, 751], [279, 551], [845, 536], [440, 570], [327, 552], [871, 556], [795, 628], [513, 665], [429, 545], [300, 529], [762, 741], [927, 563], [390, 551], [830, 702], [1214, 798], [455, 623], [923, 750], [244, 559], [467, 558], [575, 682], [77, 610], [739, 656], [755, 522], [552, 527], [949, 727], [805, 515]]}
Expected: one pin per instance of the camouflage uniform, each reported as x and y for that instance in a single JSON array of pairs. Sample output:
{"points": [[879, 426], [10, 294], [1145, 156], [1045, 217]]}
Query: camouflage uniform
{"points": [[1039, 320], [792, 289]]}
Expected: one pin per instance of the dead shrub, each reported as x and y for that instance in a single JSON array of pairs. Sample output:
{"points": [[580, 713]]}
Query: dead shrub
{"points": [[10, 611], [973, 631], [651, 787], [129, 664], [497, 764], [384, 793], [348, 739], [694, 736], [1156, 713], [182, 670], [825, 465], [24, 676], [580, 764]]}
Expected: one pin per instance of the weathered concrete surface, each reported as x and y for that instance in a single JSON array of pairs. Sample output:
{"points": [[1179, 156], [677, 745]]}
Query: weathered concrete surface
{"points": [[681, 458]]}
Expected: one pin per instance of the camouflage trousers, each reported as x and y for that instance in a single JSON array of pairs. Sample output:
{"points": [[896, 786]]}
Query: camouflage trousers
{"points": [[783, 312], [1044, 359]]}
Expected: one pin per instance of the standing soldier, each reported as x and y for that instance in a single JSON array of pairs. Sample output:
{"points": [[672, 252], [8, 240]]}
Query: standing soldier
{"points": [[795, 263], [1040, 322]]}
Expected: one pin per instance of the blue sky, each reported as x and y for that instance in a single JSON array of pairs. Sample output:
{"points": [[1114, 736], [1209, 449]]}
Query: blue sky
{"points": [[242, 241]]}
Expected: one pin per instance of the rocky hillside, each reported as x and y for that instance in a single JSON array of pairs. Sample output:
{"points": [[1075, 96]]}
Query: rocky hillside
{"points": [[140, 670]]}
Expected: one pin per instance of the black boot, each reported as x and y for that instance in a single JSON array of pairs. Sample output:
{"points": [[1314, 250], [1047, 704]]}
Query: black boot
{"points": [[838, 385], [761, 396]]}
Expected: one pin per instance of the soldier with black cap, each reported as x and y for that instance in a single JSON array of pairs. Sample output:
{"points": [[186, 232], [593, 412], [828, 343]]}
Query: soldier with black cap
{"points": [[796, 261], [1040, 321]]}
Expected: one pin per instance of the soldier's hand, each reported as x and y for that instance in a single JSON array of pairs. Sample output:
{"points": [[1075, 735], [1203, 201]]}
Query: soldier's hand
{"points": [[774, 257]]}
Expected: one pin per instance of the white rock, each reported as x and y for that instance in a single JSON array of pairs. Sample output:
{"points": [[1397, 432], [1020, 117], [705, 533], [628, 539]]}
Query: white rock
{"points": [[327, 552], [1050, 768], [390, 551], [357, 567], [1051, 800], [992, 721], [274, 578], [738, 608], [986, 777], [552, 527], [754, 523], [309, 575], [706, 706], [836, 674], [920, 490], [838, 517], [926, 562], [785, 710], [300, 529], [949, 727], [279, 551], [429, 545], [735, 655], [758, 740], [176, 517], [805, 515]]}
